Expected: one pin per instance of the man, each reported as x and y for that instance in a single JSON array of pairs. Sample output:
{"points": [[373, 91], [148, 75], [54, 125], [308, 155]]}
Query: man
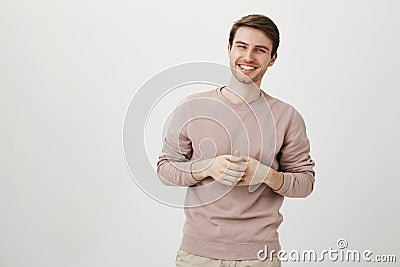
{"points": [[227, 222]]}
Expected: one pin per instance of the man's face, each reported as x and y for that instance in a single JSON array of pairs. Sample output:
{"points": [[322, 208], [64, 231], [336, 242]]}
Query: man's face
{"points": [[250, 54]]}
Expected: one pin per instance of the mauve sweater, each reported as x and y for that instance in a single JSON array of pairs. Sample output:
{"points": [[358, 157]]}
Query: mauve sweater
{"points": [[234, 223]]}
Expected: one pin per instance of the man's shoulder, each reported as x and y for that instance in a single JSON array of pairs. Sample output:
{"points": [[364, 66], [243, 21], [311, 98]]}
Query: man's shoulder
{"points": [[279, 105], [284, 111]]}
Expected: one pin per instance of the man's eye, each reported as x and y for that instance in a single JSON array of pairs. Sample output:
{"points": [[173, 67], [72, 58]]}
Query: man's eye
{"points": [[260, 50], [241, 46]]}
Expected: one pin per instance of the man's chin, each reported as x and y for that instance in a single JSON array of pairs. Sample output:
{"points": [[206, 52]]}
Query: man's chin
{"points": [[244, 79], [241, 77]]}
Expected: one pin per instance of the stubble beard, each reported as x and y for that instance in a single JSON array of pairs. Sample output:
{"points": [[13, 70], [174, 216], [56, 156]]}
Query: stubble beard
{"points": [[243, 78]]}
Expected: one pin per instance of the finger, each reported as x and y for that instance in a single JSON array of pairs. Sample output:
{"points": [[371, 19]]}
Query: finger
{"points": [[245, 158], [234, 173], [227, 180], [237, 166], [235, 158], [232, 179]]}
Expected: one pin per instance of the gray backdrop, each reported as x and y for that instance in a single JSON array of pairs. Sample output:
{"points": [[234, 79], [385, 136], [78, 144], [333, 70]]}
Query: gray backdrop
{"points": [[70, 68]]}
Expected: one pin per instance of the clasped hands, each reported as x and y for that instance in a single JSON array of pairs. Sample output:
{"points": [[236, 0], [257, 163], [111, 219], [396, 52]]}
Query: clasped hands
{"points": [[232, 170]]}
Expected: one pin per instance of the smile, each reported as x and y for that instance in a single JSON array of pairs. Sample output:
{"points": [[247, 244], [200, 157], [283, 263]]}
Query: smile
{"points": [[246, 67]]}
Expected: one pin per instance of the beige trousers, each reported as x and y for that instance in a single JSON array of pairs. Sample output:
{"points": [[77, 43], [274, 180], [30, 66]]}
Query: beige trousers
{"points": [[184, 259]]}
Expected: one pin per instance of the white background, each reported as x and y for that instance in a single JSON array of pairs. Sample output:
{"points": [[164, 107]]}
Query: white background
{"points": [[68, 70]]}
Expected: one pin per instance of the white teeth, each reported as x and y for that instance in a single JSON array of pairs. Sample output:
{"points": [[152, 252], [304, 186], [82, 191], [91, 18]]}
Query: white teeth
{"points": [[246, 67]]}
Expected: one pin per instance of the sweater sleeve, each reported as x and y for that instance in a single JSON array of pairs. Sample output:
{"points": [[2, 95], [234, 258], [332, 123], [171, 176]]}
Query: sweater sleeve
{"points": [[174, 165], [295, 161]]}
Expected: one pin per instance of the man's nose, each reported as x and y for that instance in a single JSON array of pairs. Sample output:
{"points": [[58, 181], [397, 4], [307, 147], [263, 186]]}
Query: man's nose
{"points": [[249, 57]]}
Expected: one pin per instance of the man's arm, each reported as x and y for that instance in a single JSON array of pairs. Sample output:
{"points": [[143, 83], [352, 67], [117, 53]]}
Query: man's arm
{"points": [[174, 168], [295, 163], [174, 165]]}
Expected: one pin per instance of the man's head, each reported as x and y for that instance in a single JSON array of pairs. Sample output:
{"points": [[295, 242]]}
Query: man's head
{"points": [[252, 48]]}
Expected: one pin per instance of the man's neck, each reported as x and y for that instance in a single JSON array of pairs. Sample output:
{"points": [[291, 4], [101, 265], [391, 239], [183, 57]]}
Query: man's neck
{"points": [[241, 93]]}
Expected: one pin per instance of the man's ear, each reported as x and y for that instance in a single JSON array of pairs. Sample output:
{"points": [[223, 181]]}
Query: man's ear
{"points": [[229, 49], [273, 59]]}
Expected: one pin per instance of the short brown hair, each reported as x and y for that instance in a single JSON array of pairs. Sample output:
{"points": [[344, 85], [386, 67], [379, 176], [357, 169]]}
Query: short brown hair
{"points": [[259, 22]]}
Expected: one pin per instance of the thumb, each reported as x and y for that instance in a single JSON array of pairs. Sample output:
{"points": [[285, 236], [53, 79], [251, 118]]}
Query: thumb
{"points": [[236, 156]]}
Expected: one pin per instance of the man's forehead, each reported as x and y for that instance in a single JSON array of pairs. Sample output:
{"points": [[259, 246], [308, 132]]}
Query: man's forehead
{"points": [[252, 36]]}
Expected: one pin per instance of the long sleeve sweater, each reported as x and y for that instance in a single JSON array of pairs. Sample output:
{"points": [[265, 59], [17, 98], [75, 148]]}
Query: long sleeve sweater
{"points": [[234, 223]]}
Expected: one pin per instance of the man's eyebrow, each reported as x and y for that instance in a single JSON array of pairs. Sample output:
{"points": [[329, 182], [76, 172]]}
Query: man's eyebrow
{"points": [[258, 46], [262, 46], [240, 42]]}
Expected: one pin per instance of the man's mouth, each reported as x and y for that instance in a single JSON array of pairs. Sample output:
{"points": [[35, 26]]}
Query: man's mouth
{"points": [[246, 68]]}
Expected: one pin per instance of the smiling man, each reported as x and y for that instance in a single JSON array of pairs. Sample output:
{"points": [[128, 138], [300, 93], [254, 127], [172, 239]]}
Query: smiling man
{"points": [[263, 144]]}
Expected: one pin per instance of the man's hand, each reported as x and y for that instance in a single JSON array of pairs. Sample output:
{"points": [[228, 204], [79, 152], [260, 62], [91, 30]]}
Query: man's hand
{"points": [[225, 169], [257, 173]]}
